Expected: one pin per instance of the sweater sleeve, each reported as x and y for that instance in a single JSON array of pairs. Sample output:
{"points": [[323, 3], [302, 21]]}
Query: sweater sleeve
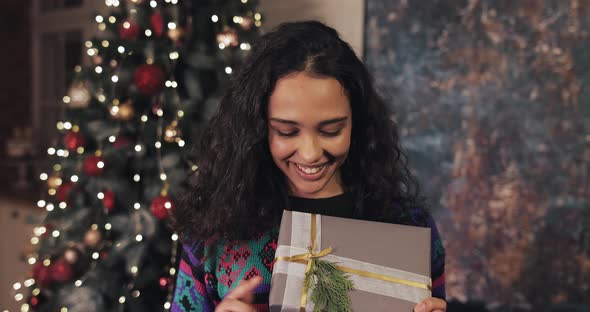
{"points": [[437, 264], [191, 293]]}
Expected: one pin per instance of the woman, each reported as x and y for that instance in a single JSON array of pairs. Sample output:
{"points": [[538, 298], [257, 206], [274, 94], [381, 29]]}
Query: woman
{"points": [[302, 128]]}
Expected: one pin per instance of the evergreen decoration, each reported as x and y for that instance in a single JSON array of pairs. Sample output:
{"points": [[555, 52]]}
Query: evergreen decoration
{"points": [[329, 287]]}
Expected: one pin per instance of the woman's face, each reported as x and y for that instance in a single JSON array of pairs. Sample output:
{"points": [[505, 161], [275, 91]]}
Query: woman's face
{"points": [[310, 124]]}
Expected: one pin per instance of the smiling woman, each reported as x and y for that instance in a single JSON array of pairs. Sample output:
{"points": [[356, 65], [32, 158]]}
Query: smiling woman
{"points": [[301, 128], [310, 126]]}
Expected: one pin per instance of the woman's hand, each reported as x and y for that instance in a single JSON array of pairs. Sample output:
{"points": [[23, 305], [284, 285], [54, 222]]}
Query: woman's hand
{"points": [[240, 299], [431, 305]]}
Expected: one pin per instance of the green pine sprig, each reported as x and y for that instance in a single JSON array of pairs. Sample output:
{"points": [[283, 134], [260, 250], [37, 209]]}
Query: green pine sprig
{"points": [[329, 287]]}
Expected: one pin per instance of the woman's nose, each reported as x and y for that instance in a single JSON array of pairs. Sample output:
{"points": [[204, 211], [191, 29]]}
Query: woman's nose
{"points": [[310, 150]]}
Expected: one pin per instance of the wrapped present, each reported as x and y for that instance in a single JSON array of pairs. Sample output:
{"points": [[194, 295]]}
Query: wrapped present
{"points": [[385, 266]]}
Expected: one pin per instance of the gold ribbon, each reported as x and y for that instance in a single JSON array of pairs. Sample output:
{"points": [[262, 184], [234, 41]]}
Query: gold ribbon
{"points": [[306, 257]]}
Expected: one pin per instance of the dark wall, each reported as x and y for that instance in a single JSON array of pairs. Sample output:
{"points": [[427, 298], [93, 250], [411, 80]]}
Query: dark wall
{"points": [[493, 102]]}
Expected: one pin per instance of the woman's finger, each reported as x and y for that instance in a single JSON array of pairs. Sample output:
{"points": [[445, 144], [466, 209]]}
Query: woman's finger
{"points": [[245, 290], [234, 305], [430, 305]]}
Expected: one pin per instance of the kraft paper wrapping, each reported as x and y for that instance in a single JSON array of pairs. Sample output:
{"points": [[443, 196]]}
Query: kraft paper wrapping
{"points": [[397, 251]]}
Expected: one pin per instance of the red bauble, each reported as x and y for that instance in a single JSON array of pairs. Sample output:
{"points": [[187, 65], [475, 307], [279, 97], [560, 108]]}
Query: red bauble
{"points": [[161, 207], [109, 200], [128, 30], [164, 282], [149, 79], [157, 22], [93, 165], [42, 274], [61, 271], [63, 192], [73, 140]]}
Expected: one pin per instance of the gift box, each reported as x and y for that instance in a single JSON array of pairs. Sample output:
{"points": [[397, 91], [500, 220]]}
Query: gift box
{"points": [[388, 264]]}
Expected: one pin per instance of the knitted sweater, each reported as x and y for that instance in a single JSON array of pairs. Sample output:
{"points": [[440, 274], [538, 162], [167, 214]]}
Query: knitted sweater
{"points": [[208, 272]]}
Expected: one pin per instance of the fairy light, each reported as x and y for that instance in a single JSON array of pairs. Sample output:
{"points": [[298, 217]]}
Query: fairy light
{"points": [[16, 286], [101, 98], [51, 192], [158, 144], [122, 299], [60, 152], [121, 49], [67, 125], [167, 305], [174, 1], [63, 205], [136, 206], [221, 45], [194, 167], [144, 118], [98, 69], [174, 237], [214, 18], [88, 44], [40, 230], [32, 261], [126, 25], [163, 176], [80, 150], [34, 240], [112, 19], [55, 233], [95, 255], [181, 143], [228, 70], [138, 237], [160, 112], [180, 113], [148, 32], [24, 307], [138, 148], [108, 226], [51, 151], [100, 164], [105, 43], [172, 271], [171, 25], [57, 167], [41, 203], [43, 176], [238, 19], [78, 283], [66, 99], [99, 19], [60, 125], [136, 178], [257, 16], [49, 207], [174, 84], [245, 46], [18, 297], [29, 282], [174, 55], [112, 139], [100, 195], [115, 78], [153, 4], [167, 205], [244, 1], [63, 309]]}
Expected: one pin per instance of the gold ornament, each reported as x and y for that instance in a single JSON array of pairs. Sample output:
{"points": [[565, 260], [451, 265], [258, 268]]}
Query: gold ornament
{"points": [[229, 37], [92, 238], [246, 23], [123, 112], [172, 132], [79, 95], [54, 181], [175, 34]]}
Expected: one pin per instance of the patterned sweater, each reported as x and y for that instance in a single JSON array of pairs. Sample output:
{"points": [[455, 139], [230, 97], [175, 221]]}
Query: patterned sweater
{"points": [[208, 272]]}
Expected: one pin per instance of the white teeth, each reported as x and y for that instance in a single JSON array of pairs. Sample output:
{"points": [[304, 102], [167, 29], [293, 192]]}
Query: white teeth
{"points": [[310, 170]]}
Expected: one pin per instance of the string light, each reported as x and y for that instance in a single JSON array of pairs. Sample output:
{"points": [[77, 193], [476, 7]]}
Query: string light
{"points": [[144, 118], [100, 195], [112, 19], [105, 43], [172, 271], [99, 19], [16, 286], [78, 283], [245, 46], [115, 78], [18, 297], [112, 139], [67, 125], [43, 176], [136, 178], [148, 32], [91, 52], [158, 144], [51, 151], [138, 148], [102, 26], [55, 233], [137, 206], [32, 261], [135, 293], [167, 305], [133, 269], [138, 237], [49, 207], [171, 25], [29, 282], [34, 240], [181, 143], [60, 125], [66, 99], [122, 299], [63, 205], [221, 45], [98, 69], [163, 176], [88, 44], [228, 70], [153, 4], [51, 192], [100, 164], [121, 49], [101, 98], [174, 237], [107, 226], [180, 113], [244, 1], [214, 18], [160, 112], [174, 55], [95, 255]]}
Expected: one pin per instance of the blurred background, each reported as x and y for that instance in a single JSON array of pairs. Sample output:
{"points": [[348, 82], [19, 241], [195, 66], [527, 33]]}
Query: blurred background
{"points": [[102, 100]]}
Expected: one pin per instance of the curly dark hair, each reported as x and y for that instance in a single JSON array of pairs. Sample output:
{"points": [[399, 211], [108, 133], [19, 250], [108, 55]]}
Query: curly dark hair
{"points": [[238, 191]]}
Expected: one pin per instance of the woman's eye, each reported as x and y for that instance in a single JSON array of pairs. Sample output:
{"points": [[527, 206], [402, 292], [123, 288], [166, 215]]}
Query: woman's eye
{"points": [[286, 134], [332, 133]]}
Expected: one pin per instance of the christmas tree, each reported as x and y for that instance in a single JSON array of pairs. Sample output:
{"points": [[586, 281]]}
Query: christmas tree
{"points": [[156, 71]]}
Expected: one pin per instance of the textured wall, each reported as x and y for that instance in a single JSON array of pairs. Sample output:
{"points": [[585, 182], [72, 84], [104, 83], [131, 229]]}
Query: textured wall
{"points": [[493, 100]]}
